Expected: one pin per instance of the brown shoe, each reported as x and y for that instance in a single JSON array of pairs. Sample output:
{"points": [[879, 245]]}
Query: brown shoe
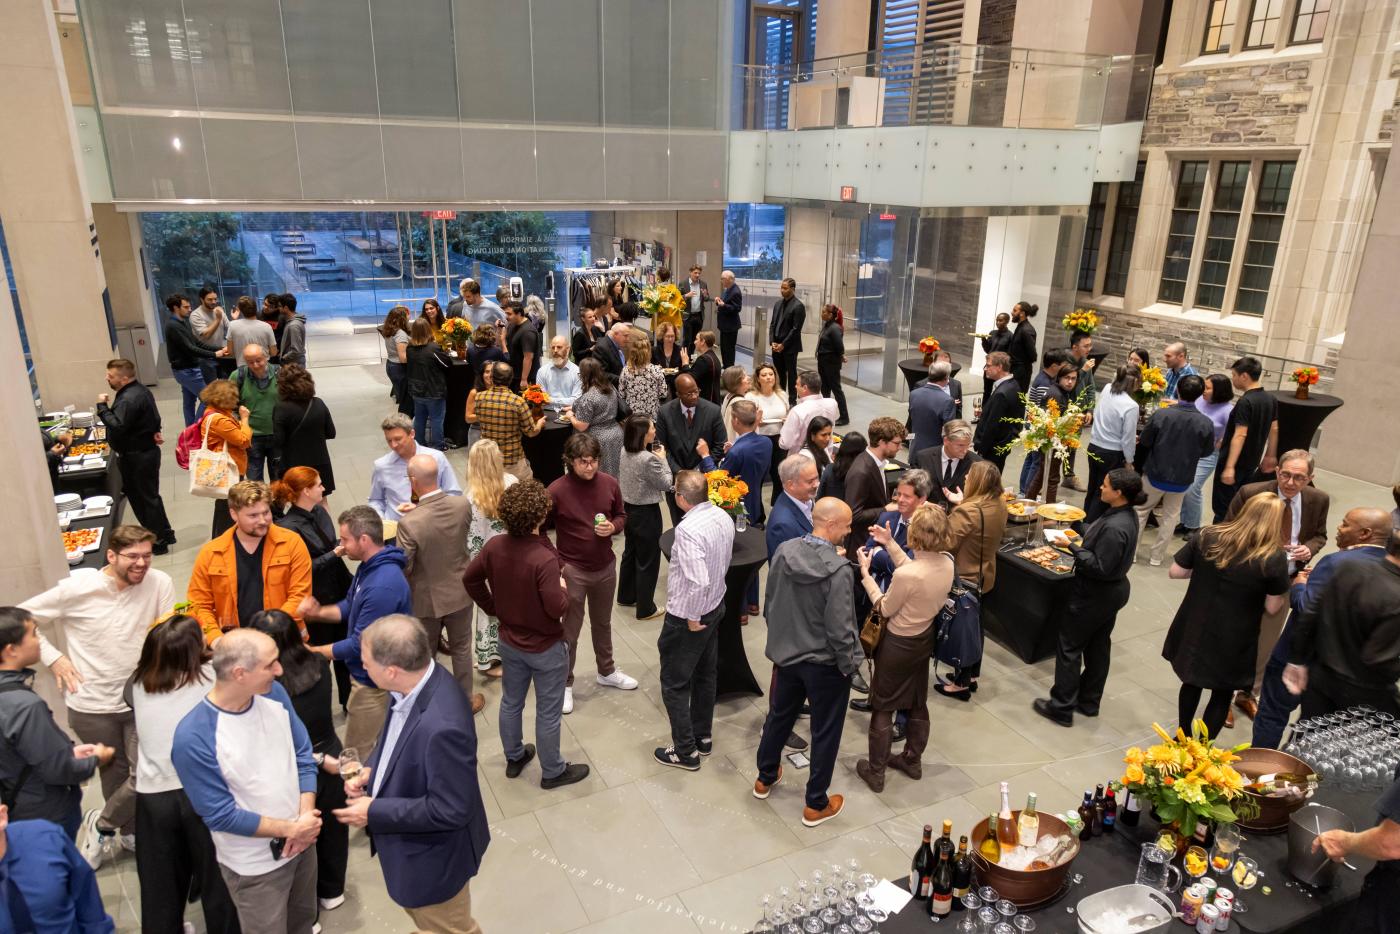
{"points": [[1229, 720], [478, 702], [815, 818], [902, 763], [761, 790], [495, 671], [1246, 704], [867, 772]]}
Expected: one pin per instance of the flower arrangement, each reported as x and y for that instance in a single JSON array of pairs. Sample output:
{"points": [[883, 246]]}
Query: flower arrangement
{"points": [[1081, 319], [662, 303], [1048, 430], [1188, 779], [455, 331], [1305, 376], [535, 395], [928, 347], [1154, 383], [727, 492]]}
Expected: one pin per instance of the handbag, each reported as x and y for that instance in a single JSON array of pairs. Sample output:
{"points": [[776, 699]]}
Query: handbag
{"points": [[871, 631], [212, 473], [959, 623]]}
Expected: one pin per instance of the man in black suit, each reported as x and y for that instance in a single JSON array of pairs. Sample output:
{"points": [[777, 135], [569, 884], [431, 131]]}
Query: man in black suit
{"points": [[949, 462], [611, 350], [681, 424], [993, 431], [696, 293], [727, 316], [785, 336]]}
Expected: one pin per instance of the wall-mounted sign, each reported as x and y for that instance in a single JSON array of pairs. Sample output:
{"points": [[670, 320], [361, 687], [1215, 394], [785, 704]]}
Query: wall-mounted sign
{"points": [[848, 192], [440, 215], [887, 217]]}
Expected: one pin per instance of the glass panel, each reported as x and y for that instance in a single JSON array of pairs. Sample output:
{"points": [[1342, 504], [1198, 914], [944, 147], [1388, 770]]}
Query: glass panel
{"points": [[503, 61], [1093, 234], [328, 51], [1220, 25], [774, 46], [1220, 234], [411, 42], [1265, 229], [568, 70], [139, 55], [753, 240], [635, 58], [237, 55], [1310, 22], [1181, 237], [1263, 24], [694, 61], [1120, 248]]}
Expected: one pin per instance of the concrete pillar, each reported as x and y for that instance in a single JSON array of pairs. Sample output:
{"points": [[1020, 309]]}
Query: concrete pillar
{"points": [[1355, 441], [1018, 265], [44, 205], [120, 238]]}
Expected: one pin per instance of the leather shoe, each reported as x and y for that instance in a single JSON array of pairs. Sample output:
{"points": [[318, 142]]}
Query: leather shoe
{"points": [[1087, 711], [795, 742], [859, 684], [964, 695], [515, 766], [860, 704], [1229, 719], [1042, 707], [478, 702], [1246, 704]]}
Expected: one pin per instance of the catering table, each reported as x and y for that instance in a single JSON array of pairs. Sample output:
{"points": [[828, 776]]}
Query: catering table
{"points": [[1299, 419], [459, 384], [1023, 609], [734, 676], [1111, 860], [97, 559], [915, 370], [545, 451]]}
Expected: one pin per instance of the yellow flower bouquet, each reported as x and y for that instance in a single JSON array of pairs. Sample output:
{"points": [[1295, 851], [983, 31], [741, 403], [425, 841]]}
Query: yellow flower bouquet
{"points": [[727, 492], [1081, 319], [1154, 383], [1188, 779], [454, 334], [1052, 432], [662, 303]]}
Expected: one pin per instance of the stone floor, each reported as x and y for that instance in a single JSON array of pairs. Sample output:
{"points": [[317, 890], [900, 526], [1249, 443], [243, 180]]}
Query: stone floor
{"points": [[638, 847]]}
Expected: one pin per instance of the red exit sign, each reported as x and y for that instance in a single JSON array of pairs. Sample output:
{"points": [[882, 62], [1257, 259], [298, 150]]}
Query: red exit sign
{"points": [[440, 215], [887, 217], [848, 192]]}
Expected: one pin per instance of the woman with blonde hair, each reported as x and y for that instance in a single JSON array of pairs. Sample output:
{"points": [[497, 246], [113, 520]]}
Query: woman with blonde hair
{"points": [[735, 382], [643, 385], [772, 412], [225, 427], [975, 527], [486, 481], [1238, 572], [917, 590]]}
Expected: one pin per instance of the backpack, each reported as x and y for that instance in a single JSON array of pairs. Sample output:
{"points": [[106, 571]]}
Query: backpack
{"points": [[190, 440]]}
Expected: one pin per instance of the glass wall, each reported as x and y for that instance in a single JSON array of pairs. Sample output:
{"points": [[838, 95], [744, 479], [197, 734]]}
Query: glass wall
{"points": [[13, 289]]}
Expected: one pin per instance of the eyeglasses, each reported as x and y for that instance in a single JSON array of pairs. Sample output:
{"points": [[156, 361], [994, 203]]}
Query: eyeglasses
{"points": [[585, 462], [135, 556], [1294, 477]]}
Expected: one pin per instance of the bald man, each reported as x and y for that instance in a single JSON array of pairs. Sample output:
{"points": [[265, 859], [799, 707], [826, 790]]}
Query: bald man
{"points": [[1361, 537], [434, 542], [256, 380], [812, 644]]}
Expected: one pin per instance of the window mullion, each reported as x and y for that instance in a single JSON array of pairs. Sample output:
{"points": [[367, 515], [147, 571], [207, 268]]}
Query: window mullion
{"points": [[1198, 250], [1232, 280]]}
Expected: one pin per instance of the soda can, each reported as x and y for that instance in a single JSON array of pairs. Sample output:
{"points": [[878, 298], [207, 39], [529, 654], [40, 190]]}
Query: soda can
{"points": [[599, 519], [1210, 885], [1192, 900], [1207, 919], [1226, 894], [1226, 908]]}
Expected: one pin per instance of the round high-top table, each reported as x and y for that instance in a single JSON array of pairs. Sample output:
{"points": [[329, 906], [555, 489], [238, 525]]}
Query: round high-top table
{"points": [[733, 674], [916, 371], [545, 451], [1299, 419]]}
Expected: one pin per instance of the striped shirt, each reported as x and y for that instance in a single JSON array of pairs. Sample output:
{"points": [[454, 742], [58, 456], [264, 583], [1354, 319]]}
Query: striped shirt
{"points": [[503, 417], [700, 558]]}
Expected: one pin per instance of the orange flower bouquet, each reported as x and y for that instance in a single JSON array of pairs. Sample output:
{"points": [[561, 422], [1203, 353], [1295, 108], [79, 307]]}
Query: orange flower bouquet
{"points": [[1304, 376], [928, 347], [535, 397], [727, 492], [456, 332]]}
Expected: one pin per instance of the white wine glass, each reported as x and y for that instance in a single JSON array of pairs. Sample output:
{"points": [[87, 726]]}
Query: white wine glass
{"points": [[1246, 875], [350, 767]]}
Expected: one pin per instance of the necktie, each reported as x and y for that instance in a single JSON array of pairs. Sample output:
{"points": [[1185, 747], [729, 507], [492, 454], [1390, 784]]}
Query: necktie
{"points": [[1287, 529], [689, 418], [948, 473]]}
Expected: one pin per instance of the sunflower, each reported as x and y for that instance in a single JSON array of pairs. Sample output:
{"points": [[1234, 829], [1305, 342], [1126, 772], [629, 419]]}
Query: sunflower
{"points": [[1164, 758]]}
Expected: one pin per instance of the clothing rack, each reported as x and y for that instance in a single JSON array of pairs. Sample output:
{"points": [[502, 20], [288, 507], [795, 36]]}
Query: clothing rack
{"points": [[584, 282]]}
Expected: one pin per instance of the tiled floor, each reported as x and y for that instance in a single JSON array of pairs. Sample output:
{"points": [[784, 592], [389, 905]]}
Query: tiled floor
{"points": [[641, 848]]}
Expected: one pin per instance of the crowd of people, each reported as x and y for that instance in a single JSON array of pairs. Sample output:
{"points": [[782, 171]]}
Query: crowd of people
{"points": [[210, 723]]}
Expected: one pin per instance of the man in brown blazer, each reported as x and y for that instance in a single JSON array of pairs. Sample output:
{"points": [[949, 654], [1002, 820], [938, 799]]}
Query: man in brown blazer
{"points": [[433, 536], [1304, 536]]}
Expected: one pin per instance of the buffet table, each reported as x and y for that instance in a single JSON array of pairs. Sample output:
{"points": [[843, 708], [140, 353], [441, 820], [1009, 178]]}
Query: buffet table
{"points": [[1111, 860], [1023, 609], [98, 558]]}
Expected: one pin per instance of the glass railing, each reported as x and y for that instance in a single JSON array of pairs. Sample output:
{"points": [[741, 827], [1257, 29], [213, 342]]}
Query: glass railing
{"points": [[946, 84]]}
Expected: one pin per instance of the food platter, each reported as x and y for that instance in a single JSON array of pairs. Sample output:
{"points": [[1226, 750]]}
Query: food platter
{"points": [[1021, 510], [1047, 557], [84, 540], [1060, 512]]}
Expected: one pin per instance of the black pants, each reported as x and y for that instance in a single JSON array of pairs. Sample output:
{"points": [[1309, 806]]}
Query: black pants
{"points": [[1021, 372], [773, 465], [728, 341], [828, 691], [325, 634], [992, 455], [1328, 693], [333, 843], [140, 473], [1086, 646], [175, 850], [675, 510], [1377, 910], [222, 520], [641, 557], [1101, 461], [829, 369], [786, 365], [688, 661], [1188, 698], [691, 327]]}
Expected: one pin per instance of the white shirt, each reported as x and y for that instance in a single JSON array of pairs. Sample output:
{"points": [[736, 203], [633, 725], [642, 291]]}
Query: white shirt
{"points": [[1000, 381], [794, 433], [157, 716], [1115, 424], [1295, 507], [946, 464], [878, 462], [700, 558], [772, 409], [389, 487], [561, 383], [105, 627], [400, 706], [805, 506]]}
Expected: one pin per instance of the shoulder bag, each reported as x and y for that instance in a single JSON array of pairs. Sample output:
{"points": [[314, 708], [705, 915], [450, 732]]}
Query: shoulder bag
{"points": [[212, 473], [959, 624], [872, 630]]}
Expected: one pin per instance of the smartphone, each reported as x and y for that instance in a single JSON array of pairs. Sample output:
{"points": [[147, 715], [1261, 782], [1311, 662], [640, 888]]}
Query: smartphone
{"points": [[276, 844], [798, 760]]}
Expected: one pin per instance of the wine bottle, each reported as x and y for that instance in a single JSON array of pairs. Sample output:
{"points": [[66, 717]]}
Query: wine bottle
{"points": [[921, 873], [940, 902], [944, 843], [989, 846], [962, 874], [1086, 815], [1110, 811], [1028, 824], [1132, 809], [1006, 827], [1096, 828]]}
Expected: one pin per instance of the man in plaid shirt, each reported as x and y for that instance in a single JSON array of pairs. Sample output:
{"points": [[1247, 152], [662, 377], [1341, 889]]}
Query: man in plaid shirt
{"points": [[505, 418]]}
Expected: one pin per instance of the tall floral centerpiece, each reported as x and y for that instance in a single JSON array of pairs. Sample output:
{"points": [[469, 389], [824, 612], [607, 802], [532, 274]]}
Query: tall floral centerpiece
{"points": [[1154, 383], [662, 303], [454, 334], [727, 492], [928, 347], [1187, 780], [1052, 432], [1081, 320], [1304, 376]]}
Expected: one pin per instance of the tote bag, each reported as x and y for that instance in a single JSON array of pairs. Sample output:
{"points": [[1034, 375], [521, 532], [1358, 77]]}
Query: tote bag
{"points": [[212, 473]]}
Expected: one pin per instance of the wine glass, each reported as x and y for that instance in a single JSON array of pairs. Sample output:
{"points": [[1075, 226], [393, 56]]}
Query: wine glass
{"points": [[1024, 924], [350, 766], [1222, 854], [1195, 862], [1007, 910], [1246, 875], [988, 895]]}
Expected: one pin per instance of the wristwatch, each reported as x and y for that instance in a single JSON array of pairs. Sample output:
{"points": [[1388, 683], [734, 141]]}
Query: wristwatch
{"points": [[319, 758]]}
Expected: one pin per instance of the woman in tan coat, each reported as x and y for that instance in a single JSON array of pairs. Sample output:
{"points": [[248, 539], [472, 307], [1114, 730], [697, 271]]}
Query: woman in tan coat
{"points": [[975, 527], [916, 593]]}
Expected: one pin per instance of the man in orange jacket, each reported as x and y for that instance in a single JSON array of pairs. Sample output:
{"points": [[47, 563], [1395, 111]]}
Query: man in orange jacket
{"points": [[253, 566]]}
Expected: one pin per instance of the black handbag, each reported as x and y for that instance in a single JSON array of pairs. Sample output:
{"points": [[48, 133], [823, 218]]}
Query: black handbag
{"points": [[959, 623]]}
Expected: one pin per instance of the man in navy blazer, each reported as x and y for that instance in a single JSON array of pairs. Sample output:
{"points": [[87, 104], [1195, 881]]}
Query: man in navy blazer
{"points": [[748, 458], [930, 406], [418, 796], [911, 493], [728, 316], [792, 512]]}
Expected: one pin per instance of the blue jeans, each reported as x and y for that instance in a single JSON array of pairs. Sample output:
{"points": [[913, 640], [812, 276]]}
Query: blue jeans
{"points": [[1276, 702], [428, 415], [548, 670], [261, 453], [1191, 505], [1028, 469], [191, 385]]}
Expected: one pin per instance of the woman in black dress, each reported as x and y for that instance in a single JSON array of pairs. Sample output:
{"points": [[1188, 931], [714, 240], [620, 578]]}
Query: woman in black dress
{"points": [[831, 354], [1238, 572], [1023, 347], [588, 333], [301, 425], [428, 365], [299, 491], [706, 366], [307, 678]]}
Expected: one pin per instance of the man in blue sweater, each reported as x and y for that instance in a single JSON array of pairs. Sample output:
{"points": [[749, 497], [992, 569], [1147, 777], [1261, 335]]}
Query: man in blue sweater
{"points": [[379, 589], [52, 888]]}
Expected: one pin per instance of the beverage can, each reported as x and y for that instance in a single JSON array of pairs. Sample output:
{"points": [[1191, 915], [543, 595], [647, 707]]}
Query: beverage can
{"points": [[1226, 894], [1226, 908], [1210, 885], [599, 519], [1191, 902], [1207, 919]]}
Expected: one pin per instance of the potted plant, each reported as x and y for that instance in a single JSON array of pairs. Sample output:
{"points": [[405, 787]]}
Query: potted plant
{"points": [[456, 332], [1304, 376], [536, 398], [1154, 383], [663, 304], [928, 347]]}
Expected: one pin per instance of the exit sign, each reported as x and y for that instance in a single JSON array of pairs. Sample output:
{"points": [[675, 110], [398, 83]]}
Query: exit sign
{"points": [[440, 215], [887, 217], [848, 192]]}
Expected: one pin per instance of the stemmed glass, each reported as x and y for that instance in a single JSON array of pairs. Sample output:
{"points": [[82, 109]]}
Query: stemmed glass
{"points": [[1195, 862], [1222, 855], [1246, 876]]}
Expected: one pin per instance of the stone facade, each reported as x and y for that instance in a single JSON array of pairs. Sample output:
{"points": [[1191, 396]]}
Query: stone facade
{"points": [[995, 22], [1387, 129], [1233, 106], [1211, 348]]}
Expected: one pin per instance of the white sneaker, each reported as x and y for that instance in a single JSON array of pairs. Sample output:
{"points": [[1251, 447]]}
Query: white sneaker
{"points": [[568, 700], [316, 928], [92, 844], [330, 904], [618, 679], [188, 928], [128, 841]]}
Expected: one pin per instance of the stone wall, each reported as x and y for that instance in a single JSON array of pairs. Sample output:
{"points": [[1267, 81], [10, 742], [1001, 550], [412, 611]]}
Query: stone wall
{"points": [[1241, 105], [1211, 349], [1387, 130], [995, 22]]}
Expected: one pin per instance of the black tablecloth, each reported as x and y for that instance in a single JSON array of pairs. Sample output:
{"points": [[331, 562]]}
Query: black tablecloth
{"points": [[1299, 419], [459, 384], [916, 371], [1111, 860], [97, 559], [545, 451], [734, 676], [1022, 609]]}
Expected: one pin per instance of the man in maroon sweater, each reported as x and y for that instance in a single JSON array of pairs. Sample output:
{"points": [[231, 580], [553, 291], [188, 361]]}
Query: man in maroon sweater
{"points": [[587, 513], [523, 564]]}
